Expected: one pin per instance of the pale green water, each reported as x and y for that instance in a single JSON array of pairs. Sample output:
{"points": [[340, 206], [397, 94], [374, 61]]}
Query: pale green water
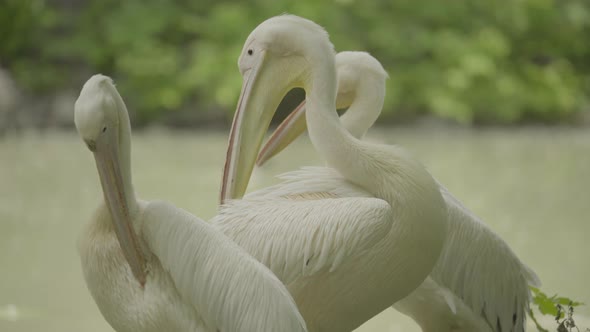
{"points": [[530, 186]]}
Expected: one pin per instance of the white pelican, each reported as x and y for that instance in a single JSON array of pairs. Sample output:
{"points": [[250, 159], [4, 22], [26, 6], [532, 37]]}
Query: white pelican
{"points": [[380, 243], [357, 72], [478, 283], [153, 267]]}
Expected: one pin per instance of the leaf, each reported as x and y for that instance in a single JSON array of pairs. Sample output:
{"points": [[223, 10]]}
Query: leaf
{"points": [[548, 305]]}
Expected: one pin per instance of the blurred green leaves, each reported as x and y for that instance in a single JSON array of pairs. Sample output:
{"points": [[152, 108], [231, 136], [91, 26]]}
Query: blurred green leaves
{"points": [[547, 305], [553, 306], [468, 61]]}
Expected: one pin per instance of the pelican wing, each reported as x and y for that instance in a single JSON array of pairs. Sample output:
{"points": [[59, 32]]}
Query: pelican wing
{"points": [[436, 308], [226, 286], [299, 236], [482, 270], [311, 179], [476, 265]]}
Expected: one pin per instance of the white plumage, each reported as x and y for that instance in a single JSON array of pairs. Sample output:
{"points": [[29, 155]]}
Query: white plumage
{"points": [[309, 236], [153, 267], [344, 260], [482, 271], [478, 283]]}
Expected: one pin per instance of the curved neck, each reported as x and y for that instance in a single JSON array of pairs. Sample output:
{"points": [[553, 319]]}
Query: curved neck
{"points": [[385, 171], [365, 108], [124, 150], [358, 162], [338, 147], [326, 133]]}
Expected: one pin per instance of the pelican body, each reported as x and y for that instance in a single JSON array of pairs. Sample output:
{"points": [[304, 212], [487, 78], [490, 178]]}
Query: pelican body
{"points": [[478, 283], [153, 267], [344, 260]]}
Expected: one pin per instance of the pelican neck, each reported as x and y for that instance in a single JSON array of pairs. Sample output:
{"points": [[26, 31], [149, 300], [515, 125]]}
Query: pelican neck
{"points": [[365, 107], [326, 132]]}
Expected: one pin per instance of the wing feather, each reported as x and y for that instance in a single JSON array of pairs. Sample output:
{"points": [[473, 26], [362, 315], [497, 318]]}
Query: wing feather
{"points": [[476, 265], [226, 286], [436, 308], [481, 269], [304, 237], [308, 181]]}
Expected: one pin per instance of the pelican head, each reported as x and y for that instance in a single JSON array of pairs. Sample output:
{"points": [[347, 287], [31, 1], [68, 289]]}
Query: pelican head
{"points": [[361, 79], [354, 69], [274, 60], [98, 119], [95, 112]]}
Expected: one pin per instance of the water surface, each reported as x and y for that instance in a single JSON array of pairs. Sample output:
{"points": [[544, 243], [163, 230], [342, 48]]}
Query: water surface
{"points": [[532, 186]]}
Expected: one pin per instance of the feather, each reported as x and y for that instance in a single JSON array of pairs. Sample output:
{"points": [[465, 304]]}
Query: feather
{"points": [[333, 231], [240, 294], [476, 266]]}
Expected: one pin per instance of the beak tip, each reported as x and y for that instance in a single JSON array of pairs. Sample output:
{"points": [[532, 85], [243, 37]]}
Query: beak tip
{"points": [[91, 144]]}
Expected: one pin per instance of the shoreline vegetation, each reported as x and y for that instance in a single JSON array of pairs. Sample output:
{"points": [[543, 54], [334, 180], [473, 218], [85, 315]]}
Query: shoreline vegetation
{"points": [[470, 63]]}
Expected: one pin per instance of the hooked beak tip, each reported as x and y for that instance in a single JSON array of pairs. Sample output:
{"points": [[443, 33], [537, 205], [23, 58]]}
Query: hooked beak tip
{"points": [[91, 144]]}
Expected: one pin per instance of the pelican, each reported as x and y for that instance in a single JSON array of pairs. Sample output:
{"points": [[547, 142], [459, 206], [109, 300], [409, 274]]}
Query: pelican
{"points": [[478, 283], [344, 260], [153, 267], [357, 72]]}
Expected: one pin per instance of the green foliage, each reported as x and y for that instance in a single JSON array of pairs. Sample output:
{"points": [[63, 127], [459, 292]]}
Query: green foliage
{"points": [[554, 307], [469, 61], [23, 37], [548, 305]]}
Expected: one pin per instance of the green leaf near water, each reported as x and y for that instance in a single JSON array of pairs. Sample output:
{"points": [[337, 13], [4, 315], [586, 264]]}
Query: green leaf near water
{"points": [[548, 305]]}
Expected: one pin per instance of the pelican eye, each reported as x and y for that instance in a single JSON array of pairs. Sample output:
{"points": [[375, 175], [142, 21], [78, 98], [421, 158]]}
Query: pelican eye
{"points": [[250, 52], [104, 129]]}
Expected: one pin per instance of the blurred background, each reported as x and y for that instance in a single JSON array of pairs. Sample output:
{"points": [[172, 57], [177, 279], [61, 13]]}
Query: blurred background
{"points": [[493, 96], [469, 62]]}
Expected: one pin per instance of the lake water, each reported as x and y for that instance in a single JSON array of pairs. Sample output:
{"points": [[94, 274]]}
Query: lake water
{"points": [[532, 186]]}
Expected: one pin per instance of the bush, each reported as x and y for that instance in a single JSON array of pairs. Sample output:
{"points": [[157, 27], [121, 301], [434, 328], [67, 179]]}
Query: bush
{"points": [[469, 61]]}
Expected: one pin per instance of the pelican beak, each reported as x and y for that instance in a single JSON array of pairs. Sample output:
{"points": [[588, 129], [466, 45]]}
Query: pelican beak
{"points": [[293, 126], [259, 99], [106, 155]]}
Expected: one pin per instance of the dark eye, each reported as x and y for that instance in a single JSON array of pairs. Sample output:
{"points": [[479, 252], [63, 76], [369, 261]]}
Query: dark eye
{"points": [[250, 52], [104, 129]]}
